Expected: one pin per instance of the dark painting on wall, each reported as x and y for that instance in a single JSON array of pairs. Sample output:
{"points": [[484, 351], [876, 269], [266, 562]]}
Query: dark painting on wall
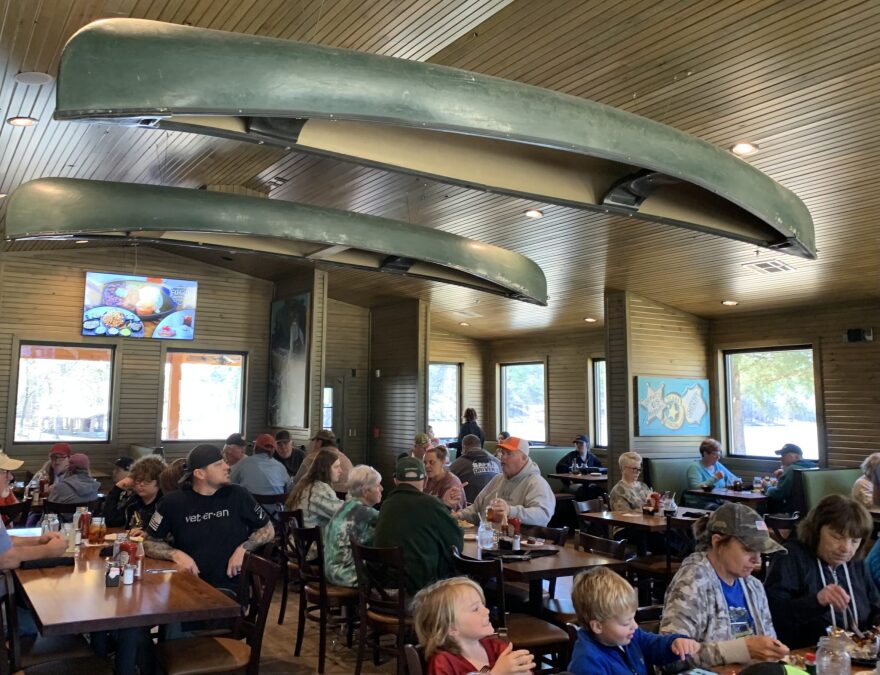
{"points": [[289, 362]]}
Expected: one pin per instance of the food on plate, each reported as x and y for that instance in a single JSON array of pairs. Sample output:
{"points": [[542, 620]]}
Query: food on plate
{"points": [[112, 331], [465, 525], [167, 331], [113, 319], [91, 324]]}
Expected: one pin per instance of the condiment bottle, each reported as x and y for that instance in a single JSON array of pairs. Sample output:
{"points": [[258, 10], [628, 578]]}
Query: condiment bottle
{"points": [[139, 557], [85, 523]]}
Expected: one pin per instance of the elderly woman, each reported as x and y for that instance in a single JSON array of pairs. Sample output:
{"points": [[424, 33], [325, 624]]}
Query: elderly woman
{"points": [[440, 481], [863, 488], [715, 599], [709, 470], [818, 584], [629, 494], [357, 518], [314, 493]]}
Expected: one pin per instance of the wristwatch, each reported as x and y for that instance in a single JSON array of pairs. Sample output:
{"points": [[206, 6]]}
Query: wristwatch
{"points": [[486, 669]]}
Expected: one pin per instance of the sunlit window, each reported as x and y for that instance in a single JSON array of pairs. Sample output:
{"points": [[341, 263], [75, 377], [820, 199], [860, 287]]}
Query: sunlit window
{"points": [[204, 394], [327, 408], [63, 393], [600, 404], [522, 401], [771, 401], [444, 399]]}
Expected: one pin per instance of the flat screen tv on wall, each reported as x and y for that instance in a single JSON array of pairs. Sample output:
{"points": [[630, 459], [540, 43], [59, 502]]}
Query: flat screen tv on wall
{"points": [[124, 305]]}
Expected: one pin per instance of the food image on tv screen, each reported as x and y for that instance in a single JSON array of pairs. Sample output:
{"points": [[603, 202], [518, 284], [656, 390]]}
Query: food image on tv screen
{"points": [[121, 305]]}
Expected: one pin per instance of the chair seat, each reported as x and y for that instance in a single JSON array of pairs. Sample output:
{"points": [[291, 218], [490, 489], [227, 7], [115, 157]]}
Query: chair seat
{"points": [[563, 496], [528, 632], [387, 619], [560, 610], [196, 656], [92, 665], [45, 649], [652, 564], [335, 594]]}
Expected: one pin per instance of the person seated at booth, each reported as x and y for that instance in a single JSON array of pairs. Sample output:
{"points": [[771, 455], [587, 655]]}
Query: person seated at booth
{"points": [[440, 481], [823, 581], [791, 457], [474, 467], [77, 486], [629, 493], [580, 460], [708, 471], [863, 488]]}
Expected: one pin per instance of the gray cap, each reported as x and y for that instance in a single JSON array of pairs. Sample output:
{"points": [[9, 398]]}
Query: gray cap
{"points": [[745, 524], [790, 448]]}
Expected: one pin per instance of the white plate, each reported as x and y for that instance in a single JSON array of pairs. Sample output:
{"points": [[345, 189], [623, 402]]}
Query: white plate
{"points": [[470, 536], [110, 537]]}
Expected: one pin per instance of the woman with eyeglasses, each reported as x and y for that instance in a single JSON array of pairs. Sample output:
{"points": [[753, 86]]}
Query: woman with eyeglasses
{"points": [[135, 511], [630, 493]]}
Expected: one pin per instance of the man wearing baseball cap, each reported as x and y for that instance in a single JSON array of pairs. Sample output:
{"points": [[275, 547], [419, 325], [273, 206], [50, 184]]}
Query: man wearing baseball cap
{"points": [[291, 458], [260, 474], [791, 457], [519, 491], [77, 486], [234, 449], [421, 443], [53, 470], [211, 522], [324, 440], [420, 524], [580, 459]]}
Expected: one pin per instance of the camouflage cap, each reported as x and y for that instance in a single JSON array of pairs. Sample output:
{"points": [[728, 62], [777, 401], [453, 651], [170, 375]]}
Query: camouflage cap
{"points": [[745, 524]]}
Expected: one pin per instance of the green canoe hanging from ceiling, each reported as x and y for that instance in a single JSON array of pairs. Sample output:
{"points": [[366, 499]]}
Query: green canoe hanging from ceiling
{"points": [[68, 208], [452, 125]]}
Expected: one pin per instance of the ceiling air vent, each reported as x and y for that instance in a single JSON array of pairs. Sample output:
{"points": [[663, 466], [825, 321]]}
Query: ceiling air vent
{"points": [[769, 266]]}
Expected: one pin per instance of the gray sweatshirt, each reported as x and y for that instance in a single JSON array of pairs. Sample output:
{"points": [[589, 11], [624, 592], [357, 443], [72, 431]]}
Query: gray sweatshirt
{"points": [[530, 497]]}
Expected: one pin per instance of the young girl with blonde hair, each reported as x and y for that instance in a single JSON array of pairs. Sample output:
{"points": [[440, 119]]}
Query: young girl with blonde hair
{"points": [[453, 625]]}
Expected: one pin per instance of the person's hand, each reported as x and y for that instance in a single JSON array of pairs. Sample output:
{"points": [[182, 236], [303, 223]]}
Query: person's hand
{"points": [[184, 562], [500, 507], [136, 532], [684, 647], [513, 662], [49, 536], [126, 483], [452, 497], [236, 560], [764, 648], [719, 475], [833, 595], [55, 547], [778, 473]]}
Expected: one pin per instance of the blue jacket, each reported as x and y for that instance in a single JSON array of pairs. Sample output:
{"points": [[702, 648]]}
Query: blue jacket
{"points": [[639, 657], [780, 496]]}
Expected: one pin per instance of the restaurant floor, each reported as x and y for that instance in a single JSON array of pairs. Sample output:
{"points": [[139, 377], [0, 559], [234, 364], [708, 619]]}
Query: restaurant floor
{"points": [[278, 644]]}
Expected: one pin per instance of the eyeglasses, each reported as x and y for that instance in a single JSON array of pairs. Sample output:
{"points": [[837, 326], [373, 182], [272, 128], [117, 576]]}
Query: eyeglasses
{"points": [[57, 458], [637, 469], [141, 481]]}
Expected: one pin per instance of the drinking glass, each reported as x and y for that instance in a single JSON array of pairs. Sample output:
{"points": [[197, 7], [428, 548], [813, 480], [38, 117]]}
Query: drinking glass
{"points": [[97, 530]]}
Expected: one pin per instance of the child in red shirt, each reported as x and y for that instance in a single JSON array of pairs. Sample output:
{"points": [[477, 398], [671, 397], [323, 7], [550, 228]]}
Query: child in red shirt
{"points": [[452, 622]]}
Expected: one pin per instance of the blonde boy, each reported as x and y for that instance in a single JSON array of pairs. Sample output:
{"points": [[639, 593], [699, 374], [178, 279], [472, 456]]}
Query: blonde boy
{"points": [[609, 640]]}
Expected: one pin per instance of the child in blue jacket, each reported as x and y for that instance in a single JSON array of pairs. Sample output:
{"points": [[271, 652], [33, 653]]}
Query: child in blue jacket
{"points": [[609, 640]]}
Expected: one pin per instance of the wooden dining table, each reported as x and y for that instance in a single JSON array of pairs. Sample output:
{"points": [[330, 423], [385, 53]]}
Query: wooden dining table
{"points": [[589, 478], [642, 521], [567, 562], [74, 599], [748, 497]]}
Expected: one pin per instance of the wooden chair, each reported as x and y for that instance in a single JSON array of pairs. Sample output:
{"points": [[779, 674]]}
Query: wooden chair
{"points": [[383, 599], [317, 598], [652, 573], [289, 564], [548, 643], [69, 509], [590, 506], [649, 618], [15, 513], [415, 660], [553, 535], [204, 655], [782, 526], [271, 500]]}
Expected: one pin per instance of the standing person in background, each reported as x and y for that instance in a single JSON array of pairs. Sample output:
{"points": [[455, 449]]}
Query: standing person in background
{"points": [[470, 426], [77, 486], [863, 488], [475, 467], [792, 459], [234, 450], [289, 456]]}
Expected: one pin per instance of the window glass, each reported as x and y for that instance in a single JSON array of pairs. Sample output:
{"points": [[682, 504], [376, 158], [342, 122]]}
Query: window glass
{"points": [[63, 393], [443, 399], [600, 404], [204, 394], [327, 409], [771, 401], [522, 401]]}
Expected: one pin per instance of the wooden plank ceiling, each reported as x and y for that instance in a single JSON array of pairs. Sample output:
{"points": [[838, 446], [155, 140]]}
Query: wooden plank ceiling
{"points": [[800, 79]]}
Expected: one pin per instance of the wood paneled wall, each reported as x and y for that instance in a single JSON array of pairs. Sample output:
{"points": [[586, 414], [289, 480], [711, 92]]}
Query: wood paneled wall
{"points": [[41, 296], [649, 338], [348, 354], [567, 356], [399, 352], [446, 347], [850, 373]]}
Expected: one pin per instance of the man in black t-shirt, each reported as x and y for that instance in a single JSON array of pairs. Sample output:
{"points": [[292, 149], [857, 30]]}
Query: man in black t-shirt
{"points": [[211, 522]]}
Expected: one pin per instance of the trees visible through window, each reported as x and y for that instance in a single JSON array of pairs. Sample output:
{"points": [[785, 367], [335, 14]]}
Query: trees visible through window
{"points": [[600, 404], [327, 408], [771, 400], [522, 401], [63, 393], [444, 399], [204, 393]]}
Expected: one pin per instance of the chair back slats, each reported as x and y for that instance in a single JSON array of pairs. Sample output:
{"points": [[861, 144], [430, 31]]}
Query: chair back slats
{"points": [[265, 500], [15, 513], [68, 509], [381, 578], [600, 545], [415, 660], [590, 506], [258, 579], [309, 550], [553, 535], [489, 574]]}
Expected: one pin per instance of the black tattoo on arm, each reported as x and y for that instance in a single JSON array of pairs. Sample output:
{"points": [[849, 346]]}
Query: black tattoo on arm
{"points": [[259, 537], [158, 548]]}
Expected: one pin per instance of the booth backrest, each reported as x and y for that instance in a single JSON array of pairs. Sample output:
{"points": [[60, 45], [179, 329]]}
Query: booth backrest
{"points": [[546, 457], [667, 474], [818, 484]]}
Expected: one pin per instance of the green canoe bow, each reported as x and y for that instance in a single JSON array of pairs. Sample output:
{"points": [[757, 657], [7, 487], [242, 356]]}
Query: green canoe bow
{"points": [[68, 208], [452, 125]]}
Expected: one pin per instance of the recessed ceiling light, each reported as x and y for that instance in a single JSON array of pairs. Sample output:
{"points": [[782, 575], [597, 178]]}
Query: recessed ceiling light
{"points": [[730, 303], [744, 148], [82, 241], [463, 323], [33, 78], [590, 319], [534, 213], [22, 121]]}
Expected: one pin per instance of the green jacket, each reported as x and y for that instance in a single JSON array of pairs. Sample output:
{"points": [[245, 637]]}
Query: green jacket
{"points": [[422, 526], [779, 497]]}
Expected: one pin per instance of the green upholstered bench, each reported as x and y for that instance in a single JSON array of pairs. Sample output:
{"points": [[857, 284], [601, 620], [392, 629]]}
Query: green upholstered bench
{"points": [[818, 484], [667, 474], [545, 457]]}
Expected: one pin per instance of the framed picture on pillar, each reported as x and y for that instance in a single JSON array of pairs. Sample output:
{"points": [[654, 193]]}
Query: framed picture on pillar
{"points": [[672, 406], [289, 362]]}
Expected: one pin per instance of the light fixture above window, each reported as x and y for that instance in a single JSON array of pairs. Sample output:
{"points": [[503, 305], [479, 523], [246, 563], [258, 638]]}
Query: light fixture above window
{"points": [[744, 148], [21, 121], [534, 213], [589, 319], [730, 303]]}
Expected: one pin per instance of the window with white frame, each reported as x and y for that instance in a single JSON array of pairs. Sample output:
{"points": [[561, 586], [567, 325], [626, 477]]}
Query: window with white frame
{"points": [[523, 410], [63, 393], [204, 395], [600, 404], [771, 401], [444, 399]]}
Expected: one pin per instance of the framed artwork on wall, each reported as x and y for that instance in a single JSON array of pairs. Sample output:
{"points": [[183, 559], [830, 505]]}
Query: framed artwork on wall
{"points": [[289, 362], [672, 406]]}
